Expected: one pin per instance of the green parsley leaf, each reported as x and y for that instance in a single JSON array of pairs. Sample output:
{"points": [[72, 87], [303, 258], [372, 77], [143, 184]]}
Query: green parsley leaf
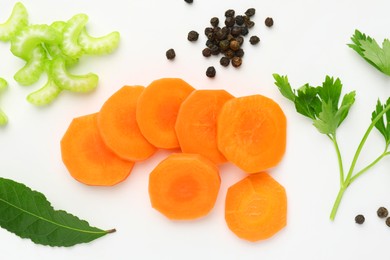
{"points": [[369, 49], [284, 87], [383, 124]]}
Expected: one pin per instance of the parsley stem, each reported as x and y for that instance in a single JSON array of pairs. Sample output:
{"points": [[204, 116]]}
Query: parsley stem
{"points": [[353, 178], [337, 202], [339, 158]]}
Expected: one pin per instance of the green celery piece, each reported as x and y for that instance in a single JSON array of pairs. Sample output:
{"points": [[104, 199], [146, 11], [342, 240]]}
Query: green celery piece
{"points": [[98, 45], [3, 116], [370, 50], [307, 102], [29, 214], [67, 81], [29, 37], [45, 95], [33, 69], [71, 33], [284, 87], [383, 125], [17, 20]]}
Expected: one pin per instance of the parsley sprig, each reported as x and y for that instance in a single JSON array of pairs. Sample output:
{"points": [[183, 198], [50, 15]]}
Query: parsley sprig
{"points": [[322, 105]]}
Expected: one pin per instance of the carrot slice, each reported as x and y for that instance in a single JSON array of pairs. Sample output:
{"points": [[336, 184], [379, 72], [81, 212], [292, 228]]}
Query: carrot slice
{"points": [[184, 186], [256, 207], [118, 126], [86, 156], [196, 124], [251, 132], [157, 110]]}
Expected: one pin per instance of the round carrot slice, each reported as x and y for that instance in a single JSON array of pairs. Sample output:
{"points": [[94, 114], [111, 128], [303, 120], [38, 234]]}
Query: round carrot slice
{"points": [[157, 110], [118, 126], [196, 124], [251, 132], [256, 207], [184, 186], [86, 156]]}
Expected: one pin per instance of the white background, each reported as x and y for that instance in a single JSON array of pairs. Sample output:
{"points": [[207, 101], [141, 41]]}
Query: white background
{"points": [[307, 42]]}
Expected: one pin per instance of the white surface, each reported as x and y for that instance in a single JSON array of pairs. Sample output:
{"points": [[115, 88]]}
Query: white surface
{"points": [[307, 42]]}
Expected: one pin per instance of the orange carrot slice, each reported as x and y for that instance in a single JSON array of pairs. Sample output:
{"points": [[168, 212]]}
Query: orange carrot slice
{"points": [[184, 186], [118, 126], [256, 207], [86, 156], [157, 110], [251, 132], [196, 124]]}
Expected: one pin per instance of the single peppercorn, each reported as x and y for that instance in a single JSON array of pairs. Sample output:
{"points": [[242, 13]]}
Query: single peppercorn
{"points": [[254, 40], [240, 40], [229, 53], [214, 21], [215, 50], [382, 212], [170, 54], [206, 52], [224, 61], [269, 22], [359, 219], [239, 20], [250, 12], [236, 31], [230, 21], [193, 36], [224, 45], [210, 72], [188, 1], [230, 13], [244, 31], [239, 53], [234, 45], [388, 221], [250, 24], [236, 61], [221, 34], [208, 30]]}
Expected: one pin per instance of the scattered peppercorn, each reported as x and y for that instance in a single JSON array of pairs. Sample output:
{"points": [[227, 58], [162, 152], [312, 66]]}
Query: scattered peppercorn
{"points": [[234, 45], [250, 12], [244, 31], [250, 24], [210, 72], [206, 52], [214, 21], [224, 45], [224, 61], [359, 219], [239, 20], [236, 61], [388, 221], [193, 36], [230, 21], [382, 212], [236, 31], [254, 40], [239, 53], [269, 22], [188, 1], [170, 54]]}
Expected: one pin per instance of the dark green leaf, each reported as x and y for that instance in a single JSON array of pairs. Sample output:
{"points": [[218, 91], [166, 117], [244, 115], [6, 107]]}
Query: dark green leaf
{"points": [[28, 214], [348, 101], [383, 124], [284, 86], [330, 91], [307, 102]]}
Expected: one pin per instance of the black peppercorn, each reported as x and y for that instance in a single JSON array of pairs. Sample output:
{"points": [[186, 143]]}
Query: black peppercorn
{"points": [[250, 12], [359, 219], [230, 21], [239, 20], [206, 52], [230, 13], [236, 61], [221, 34], [188, 1], [254, 40], [208, 30], [193, 36], [234, 45], [229, 53], [224, 61], [214, 21], [236, 31], [382, 212], [244, 31], [210, 43], [170, 54], [210, 72], [269, 22], [224, 45], [250, 24], [388, 221], [215, 50], [239, 53], [240, 40]]}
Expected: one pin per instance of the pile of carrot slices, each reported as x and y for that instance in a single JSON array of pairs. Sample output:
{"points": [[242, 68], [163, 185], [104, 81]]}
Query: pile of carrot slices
{"points": [[209, 128]]}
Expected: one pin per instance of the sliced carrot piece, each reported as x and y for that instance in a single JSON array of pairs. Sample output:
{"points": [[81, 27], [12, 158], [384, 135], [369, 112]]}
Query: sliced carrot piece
{"points": [[251, 132], [157, 110], [196, 124], [118, 126], [86, 156], [256, 207], [184, 186]]}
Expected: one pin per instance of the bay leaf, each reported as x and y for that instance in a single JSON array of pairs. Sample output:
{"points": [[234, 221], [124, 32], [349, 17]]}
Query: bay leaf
{"points": [[29, 214]]}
